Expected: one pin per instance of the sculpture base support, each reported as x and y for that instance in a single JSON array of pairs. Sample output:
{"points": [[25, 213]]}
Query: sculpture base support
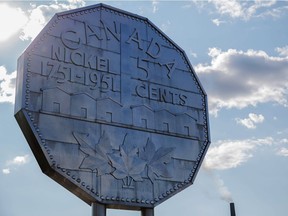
{"points": [[100, 210], [147, 212]]}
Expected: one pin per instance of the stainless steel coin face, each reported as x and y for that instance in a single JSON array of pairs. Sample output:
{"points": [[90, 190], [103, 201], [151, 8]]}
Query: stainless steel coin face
{"points": [[112, 108]]}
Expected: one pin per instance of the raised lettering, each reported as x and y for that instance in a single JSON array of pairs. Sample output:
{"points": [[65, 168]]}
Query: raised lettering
{"points": [[80, 58], [154, 49], [165, 95], [90, 62], [77, 58], [105, 83], [108, 30], [141, 90], [92, 32], [71, 39], [154, 93], [77, 76], [171, 66], [136, 38], [141, 64], [58, 71], [183, 99], [102, 64], [93, 77]]}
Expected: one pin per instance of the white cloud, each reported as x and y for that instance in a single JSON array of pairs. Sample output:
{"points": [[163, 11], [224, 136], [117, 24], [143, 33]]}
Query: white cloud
{"points": [[251, 121], [19, 160], [283, 51], [7, 85], [232, 8], [11, 21], [40, 15], [6, 171], [283, 152], [217, 22], [14, 163], [244, 10], [237, 79], [275, 12], [284, 141], [30, 22], [229, 154], [155, 4], [256, 118]]}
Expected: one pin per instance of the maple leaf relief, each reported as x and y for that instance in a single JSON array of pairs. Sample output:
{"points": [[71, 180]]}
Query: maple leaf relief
{"points": [[96, 158], [127, 164], [157, 160]]}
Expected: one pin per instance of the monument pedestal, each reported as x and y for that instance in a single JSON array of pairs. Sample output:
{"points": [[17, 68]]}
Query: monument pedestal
{"points": [[100, 210]]}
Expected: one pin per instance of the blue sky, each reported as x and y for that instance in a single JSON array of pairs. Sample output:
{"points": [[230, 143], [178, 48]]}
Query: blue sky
{"points": [[239, 50]]}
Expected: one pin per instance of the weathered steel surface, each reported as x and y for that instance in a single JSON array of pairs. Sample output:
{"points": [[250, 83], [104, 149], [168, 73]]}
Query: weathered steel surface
{"points": [[112, 108]]}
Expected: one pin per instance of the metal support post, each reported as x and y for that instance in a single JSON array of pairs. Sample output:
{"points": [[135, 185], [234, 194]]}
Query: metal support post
{"points": [[98, 209], [147, 212]]}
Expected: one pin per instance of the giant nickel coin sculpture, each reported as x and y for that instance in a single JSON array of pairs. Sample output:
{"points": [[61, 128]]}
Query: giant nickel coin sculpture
{"points": [[111, 108]]}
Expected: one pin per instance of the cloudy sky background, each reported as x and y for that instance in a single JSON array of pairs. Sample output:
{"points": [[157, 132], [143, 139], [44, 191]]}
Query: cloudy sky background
{"points": [[239, 50]]}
